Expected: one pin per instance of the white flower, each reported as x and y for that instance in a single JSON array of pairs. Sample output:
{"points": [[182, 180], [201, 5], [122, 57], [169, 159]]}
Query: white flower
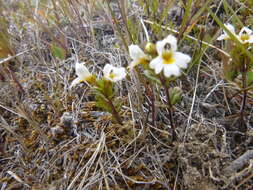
{"points": [[225, 35], [82, 73], [246, 35], [138, 56], [169, 60], [114, 74]]}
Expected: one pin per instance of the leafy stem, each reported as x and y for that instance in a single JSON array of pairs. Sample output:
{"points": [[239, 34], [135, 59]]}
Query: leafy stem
{"points": [[170, 114], [114, 111], [104, 98]]}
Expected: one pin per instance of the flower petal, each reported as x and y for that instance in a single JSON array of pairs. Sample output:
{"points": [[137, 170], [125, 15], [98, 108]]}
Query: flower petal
{"points": [[75, 82], [181, 59], [136, 52], [120, 73], [245, 30], [114, 74], [250, 40], [225, 35], [230, 27], [81, 70], [107, 70], [160, 47], [132, 65], [153, 62], [222, 37], [157, 64], [171, 40], [171, 69]]}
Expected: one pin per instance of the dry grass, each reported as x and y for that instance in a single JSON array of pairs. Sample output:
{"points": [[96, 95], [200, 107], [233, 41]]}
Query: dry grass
{"points": [[55, 138]]}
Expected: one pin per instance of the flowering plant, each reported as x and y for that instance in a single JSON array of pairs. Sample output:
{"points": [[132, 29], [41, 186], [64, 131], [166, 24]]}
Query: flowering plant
{"points": [[103, 87], [83, 74], [169, 60], [240, 63], [162, 63]]}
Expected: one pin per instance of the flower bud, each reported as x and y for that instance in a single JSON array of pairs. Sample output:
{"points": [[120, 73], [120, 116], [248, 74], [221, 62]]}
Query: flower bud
{"points": [[175, 95], [150, 48]]}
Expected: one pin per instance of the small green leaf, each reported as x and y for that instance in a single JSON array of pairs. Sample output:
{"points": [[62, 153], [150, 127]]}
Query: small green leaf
{"points": [[231, 75], [101, 101], [104, 92], [249, 78], [151, 76], [105, 87], [175, 95], [231, 70], [100, 84], [58, 51]]}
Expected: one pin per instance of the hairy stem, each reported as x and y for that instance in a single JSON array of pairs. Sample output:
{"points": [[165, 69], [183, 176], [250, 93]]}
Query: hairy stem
{"points": [[114, 111], [170, 114], [244, 86], [151, 96]]}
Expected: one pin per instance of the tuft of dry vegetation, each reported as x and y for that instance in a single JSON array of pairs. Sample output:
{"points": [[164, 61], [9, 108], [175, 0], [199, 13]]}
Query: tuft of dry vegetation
{"points": [[56, 138]]}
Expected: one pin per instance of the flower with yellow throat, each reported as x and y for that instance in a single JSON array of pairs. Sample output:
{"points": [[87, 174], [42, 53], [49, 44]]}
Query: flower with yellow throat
{"points": [[169, 59], [82, 73], [225, 35], [137, 55], [114, 74], [245, 35]]}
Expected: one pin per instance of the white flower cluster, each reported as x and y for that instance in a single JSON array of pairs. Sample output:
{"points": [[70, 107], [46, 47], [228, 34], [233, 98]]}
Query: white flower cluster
{"points": [[168, 60], [110, 72], [245, 35]]}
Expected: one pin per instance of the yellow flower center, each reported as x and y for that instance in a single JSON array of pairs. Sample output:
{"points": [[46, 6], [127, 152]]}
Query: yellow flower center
{"points": [[168, 57], [244, 37], [112, 75], [88, 78], [143, 61]]}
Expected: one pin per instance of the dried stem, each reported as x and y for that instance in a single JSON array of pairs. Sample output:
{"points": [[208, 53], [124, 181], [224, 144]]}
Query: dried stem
{"points": [[15, 80], [239, 163], [117, 25]]}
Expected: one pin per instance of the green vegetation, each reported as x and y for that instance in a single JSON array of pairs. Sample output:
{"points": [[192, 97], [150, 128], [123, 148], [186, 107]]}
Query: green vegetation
{"points": [[185, 124]]}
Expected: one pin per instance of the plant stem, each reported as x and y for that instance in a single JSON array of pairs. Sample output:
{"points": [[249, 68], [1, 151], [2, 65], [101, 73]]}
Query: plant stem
{"points": [[151, 95], [114, 111], [14, 78], [163, 81], [244, 86], [153, 108]]}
